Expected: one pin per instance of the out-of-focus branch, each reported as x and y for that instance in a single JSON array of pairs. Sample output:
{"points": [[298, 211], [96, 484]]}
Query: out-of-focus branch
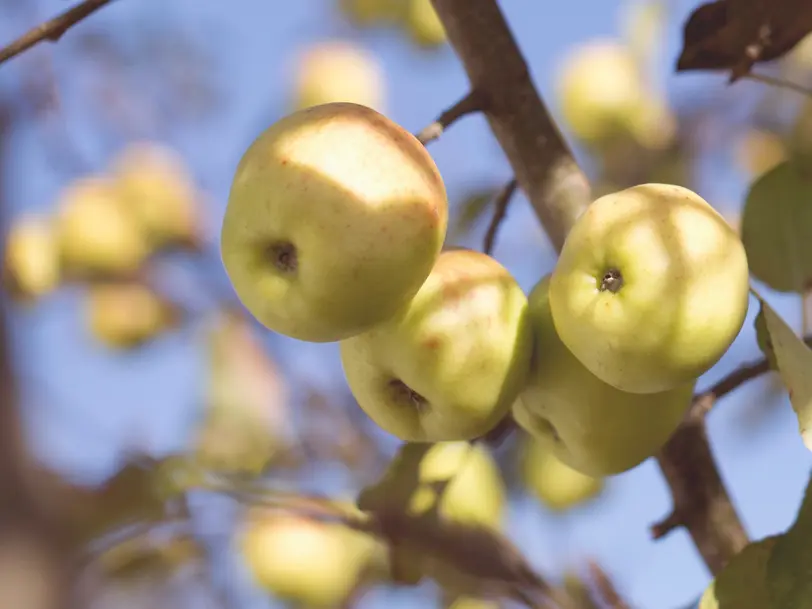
{"points": [[35, 555], [473, 102], [542, 162], [500, 206], [559, 192], [53, 29]]}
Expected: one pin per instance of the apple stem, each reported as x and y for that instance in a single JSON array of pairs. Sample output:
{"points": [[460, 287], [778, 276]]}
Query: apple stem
{"points": [[612, 280], [405, 393], [283, 256]]}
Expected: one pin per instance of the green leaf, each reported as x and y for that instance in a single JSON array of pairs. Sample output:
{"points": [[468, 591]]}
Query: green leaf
{"points": [[144, 556], [775, 228], [794, 360], [789, 570], [764, 341], [470, 210], [742, 584]]}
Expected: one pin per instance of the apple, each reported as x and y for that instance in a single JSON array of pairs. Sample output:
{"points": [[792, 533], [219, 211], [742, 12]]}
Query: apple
{"points": [[600, 89], [97, 233], [554, 483], [450, 364], [338, 71], [310, 563], [31, 264], [651, 288], [476, 493], [154, 183], [588, 424], [423, 24], [335, 218], [125, 315]]}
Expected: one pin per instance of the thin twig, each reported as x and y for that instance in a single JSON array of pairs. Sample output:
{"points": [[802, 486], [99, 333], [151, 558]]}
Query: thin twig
{"points": [[779, 82], [605, 587], [473, 102], [53, 29], [500, 206]]}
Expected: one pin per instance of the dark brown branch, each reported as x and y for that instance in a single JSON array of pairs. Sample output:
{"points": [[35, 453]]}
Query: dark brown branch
{"points": [[53, 29], [473, 102], [500, 206], [559, 192], [542, 162]]}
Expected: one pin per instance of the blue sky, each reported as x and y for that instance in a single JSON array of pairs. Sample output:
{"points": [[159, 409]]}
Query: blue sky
{"points": [[82, 404]]}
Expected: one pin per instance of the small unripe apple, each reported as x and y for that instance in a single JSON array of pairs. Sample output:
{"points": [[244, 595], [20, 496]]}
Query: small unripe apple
{"points": [[651, 288], [599, 89], [31, 263], [125, 315], [313, 564], [154, 183], [98, 234], [554, 483], [335, 218], [450, 364], [338, 71], [423, 24]]}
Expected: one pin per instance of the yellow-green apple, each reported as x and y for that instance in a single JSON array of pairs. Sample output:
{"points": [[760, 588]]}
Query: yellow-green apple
{"points": [[154, 183], [586, 423], [31, 264], [554, 483], [651, 288], [314, 564], [449, 365], [335, 218], [600, 89], [98, 234], [124, 315], [423, 24], [338, 71], [476, 493]]}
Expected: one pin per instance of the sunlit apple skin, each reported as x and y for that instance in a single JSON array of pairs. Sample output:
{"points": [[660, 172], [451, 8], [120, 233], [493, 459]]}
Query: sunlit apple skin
{"points": [[450, 364], [313, 563], [651, 288], [335, 218], [588, 424]]}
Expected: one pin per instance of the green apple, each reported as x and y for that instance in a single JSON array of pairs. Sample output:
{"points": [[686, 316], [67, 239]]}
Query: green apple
{"points": [[423, 24], [476, 493], [31, 263], [98, 234], [338, 71], [155, 184], [586, 423], [314, 564], [450, 364], [651, 288], [554, 483], [600, 88], [335, 218]]}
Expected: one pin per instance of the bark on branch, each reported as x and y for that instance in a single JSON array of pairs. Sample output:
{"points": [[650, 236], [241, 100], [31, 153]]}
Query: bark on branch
{"points": [[559, 191]]}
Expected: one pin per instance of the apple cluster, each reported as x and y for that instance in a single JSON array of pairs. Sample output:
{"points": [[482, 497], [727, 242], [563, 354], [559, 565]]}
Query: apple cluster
{"points": [[335, 231]]}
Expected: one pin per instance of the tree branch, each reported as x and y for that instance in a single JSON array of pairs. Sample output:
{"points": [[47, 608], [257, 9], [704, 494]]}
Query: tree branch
{"points": [[500, 206], [542, 162], [473, 102], [53, 29], [559, 192]]}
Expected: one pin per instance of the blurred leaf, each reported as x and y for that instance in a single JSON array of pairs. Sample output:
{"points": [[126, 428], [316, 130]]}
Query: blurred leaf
{"points": [[764, 340], [643, 23], [730, 34], [579, 592], [247, 418], [790, 564], [794, 360], [146, 556], [775, 228], [471, 209], [742, 584]]}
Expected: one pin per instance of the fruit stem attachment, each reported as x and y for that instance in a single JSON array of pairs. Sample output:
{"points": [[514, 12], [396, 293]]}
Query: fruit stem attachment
{"points": [[283, 255], [612, 281], [403, 393]]}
